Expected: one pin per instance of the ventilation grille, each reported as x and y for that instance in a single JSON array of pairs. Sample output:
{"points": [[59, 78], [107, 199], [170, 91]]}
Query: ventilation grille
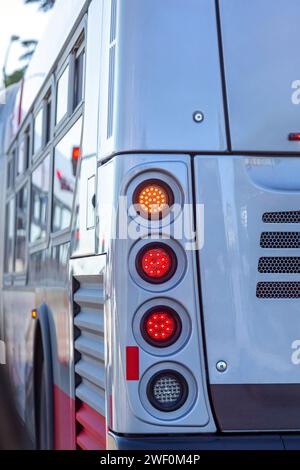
{"points": [[89, 362], [289, 217], [278, 290], [280, 240], [279, 264]]}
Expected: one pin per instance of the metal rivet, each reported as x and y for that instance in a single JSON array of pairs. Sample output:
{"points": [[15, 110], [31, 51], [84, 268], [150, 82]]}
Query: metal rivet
{"points": [[198, 116], [221, 366]]}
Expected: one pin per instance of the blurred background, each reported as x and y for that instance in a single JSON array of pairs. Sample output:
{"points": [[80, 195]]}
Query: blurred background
{"points": [[22, 23]]}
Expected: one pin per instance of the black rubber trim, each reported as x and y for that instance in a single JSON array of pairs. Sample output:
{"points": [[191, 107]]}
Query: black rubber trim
{"points": [[252, 407], [42, 322], [204, 442]]}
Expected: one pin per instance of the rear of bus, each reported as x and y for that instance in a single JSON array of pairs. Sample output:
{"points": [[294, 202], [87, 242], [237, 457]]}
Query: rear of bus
{"points": [[177, 325], [203, 347]]}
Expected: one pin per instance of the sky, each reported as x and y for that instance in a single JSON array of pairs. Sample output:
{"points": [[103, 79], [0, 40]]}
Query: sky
{"points": [[26, 21]]}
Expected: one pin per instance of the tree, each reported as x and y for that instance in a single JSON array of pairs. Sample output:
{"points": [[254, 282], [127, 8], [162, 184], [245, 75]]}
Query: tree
{"points": [[44, 5]]}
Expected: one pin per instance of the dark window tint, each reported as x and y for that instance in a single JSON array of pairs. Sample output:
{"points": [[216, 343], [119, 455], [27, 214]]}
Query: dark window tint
{"points": [[78, 79], [9, 236], [65, 166], [48, 119], [21, 229], [27, 148], [39, 200], [11, 172]]}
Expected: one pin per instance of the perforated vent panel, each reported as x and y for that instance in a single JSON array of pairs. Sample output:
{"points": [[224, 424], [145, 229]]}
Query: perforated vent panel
{"points": [[279, 264], [278, 290], [288, 217], [280, 240]]}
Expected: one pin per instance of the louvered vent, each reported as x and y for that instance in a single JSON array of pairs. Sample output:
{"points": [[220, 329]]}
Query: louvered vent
{"points": [[279, 264], [89, 362]]}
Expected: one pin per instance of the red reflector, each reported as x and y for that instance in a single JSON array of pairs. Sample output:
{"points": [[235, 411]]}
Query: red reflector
{"points": [[156, 263], [294, 136], [76, 153], [160, 325], [132, 363]]}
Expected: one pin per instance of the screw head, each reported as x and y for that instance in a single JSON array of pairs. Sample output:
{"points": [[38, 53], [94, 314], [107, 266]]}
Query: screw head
{"points": [[198, 116], [221, 366]]}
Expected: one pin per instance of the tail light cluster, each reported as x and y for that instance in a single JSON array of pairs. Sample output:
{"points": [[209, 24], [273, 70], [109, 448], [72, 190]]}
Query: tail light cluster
{"points": [[160, 326]]}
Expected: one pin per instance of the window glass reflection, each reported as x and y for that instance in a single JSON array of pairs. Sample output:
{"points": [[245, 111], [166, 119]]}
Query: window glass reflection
{"points": [[38, 131], [21, 229], [9, 236], [66, 157], [39, 200], [62, 95]]}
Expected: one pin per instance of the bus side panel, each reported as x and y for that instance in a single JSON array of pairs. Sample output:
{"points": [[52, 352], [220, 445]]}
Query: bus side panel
{"points": [[160, 65], [250, 288]]}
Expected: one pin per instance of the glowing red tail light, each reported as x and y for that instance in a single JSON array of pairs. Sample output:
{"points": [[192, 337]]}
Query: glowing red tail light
{"points": [[161, 326], [156, 263]]}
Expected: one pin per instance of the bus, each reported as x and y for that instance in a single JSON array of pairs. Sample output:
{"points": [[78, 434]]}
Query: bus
{"points": [[151, 265]]}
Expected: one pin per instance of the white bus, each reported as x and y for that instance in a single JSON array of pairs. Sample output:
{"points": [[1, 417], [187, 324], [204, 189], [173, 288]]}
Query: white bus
{"points": [[151, 272]]}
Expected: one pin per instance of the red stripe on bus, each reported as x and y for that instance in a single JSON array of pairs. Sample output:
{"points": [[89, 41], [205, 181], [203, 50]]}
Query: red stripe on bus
{"points": [[92, 435], [132, 363], [64, 420], [110, 412]]}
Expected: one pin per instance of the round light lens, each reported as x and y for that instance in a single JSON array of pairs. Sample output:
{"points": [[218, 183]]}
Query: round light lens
{"points": [[153, 199], [167, 390], [156, 263], [161, 326]]}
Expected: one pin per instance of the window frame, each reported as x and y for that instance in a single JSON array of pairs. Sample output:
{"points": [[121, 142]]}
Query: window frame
{"points": [[7, 276], [43, 242], [20, 278], [26, 131], [57, 132]]}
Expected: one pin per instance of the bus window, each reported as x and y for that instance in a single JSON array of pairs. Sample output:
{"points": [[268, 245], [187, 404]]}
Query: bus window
{"points": [[78, 79], [23, 154], [27, 148], [21, 157], [11, 171], [48, 111], [62, 95], [66, 156], [9, 236], [39, 200], [38, 131], [21, 229]]}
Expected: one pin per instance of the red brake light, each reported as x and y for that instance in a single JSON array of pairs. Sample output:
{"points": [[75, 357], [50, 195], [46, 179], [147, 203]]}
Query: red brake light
{"points": [[294, 136], [76, 153], [156, 263], [161, 326]]}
